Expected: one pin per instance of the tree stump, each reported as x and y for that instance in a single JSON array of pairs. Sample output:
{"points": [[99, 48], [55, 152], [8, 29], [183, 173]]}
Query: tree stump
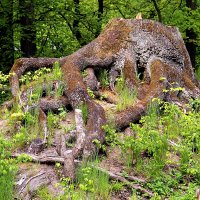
{"points": [[150, 56]]}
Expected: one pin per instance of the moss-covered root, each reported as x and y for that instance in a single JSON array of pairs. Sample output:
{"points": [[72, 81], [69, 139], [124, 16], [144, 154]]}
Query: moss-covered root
{"points": [[76, 92], [22, 65], [134, 113]]}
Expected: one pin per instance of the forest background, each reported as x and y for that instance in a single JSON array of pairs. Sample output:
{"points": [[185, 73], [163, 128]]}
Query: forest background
{"points": [[56, 28]]}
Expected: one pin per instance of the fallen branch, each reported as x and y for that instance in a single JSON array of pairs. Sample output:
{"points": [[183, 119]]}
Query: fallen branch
{"points": [[49, 159], [133, 178], [43, 158], [126, 182]]}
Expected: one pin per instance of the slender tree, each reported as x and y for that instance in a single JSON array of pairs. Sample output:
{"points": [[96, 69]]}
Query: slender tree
{"points": [[191, 35], [100, 16], [6, 35], [157, 10], [28, 31]]}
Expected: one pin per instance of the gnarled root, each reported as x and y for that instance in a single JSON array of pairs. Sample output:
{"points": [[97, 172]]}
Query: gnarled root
{"points": [[151, 57]]}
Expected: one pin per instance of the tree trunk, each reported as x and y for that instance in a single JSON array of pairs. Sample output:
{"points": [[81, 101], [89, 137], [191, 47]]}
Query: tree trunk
{"points": [[6, 36], [75, 26], [28, 30], [157, 10], [191, 36], [100, 15]]}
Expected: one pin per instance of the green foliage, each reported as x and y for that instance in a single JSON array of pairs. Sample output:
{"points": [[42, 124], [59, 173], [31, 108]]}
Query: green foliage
{"points": [[57, 74], [111, 137], [4, 91], [197, 73], [83, 107], [163, 124], [7, 170], [43, 194], [52, 121], [117, 186], [38, 75], [93, 181], [166, 136], [127, 96], [90, 93], [103, 78]]}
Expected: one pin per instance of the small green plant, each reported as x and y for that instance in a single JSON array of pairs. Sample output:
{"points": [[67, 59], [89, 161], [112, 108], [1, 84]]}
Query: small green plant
{"points": [[57, 73], [62, 113], [90, 93], [103, 96], [60, 90], [43, 194], [38, 75], [93, 183], [70, 191], [8, 169], [197, 73], [127, 96], [20, 138], [84, 73], [99, 145], [103, 78], [117, 186], [4, 87], [52, 121], [83, 107], [31, 126], [111, 138]]}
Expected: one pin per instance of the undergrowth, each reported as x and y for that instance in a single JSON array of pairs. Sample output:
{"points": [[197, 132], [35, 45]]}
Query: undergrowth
{"points": [[164, 146], [126, 95]]}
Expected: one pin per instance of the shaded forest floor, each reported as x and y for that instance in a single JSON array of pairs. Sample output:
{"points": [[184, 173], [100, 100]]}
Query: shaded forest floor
{"points": [[156, 158]]}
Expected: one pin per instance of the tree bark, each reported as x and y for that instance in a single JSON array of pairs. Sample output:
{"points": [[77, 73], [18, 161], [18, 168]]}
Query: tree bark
{"points": [[100, 15], [75, 25], [157, 10], [6, 35], [191, 35], [28, 30]]}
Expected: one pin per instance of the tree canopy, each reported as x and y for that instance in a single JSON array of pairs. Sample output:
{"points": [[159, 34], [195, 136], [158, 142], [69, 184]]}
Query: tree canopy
{"points": [[56, 28]]}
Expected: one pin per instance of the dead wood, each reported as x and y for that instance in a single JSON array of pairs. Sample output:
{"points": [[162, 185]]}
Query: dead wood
{"points": [[133, 178], [44, 157], [126, 182], [71, 155], [29, 180], [69, 165], [131, 185], [69, 171]]}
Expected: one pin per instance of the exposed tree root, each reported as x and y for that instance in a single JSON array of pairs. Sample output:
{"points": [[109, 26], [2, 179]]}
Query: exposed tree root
{"points": [[128, 183], [70, 173], [151, 57]]}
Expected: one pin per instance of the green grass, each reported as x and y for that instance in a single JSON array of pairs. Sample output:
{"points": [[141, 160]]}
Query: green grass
{"points": [[103, 78], [165, 148], [94, 183], [7, 170], [197, 73], [43, 194], [83, 107], [127, 96]]}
